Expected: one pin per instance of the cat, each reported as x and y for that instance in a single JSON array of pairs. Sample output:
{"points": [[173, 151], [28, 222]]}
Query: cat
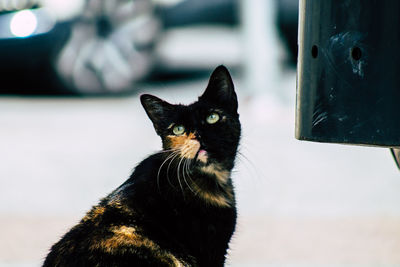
{"points": [[178, 207]]}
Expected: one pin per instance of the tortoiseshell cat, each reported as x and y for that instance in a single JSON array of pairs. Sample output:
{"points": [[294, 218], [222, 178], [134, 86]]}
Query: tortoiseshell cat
{"points": [[178, 206]]}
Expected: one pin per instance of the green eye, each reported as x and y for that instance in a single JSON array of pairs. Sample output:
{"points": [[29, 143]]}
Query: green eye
{"points": [[178, 130], [212, 118]]}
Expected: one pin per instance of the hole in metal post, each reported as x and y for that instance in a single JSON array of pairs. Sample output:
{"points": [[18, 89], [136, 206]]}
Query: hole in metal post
{"points": [[356, 53], [314, 51]]}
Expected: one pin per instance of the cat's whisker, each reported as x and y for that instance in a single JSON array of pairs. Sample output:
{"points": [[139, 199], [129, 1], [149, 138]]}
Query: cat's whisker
{"points": [[179, 179], [185, 159], [159, 170], [172, 155], [189, 171], [246, 162], [166, 151], [190, 165], [184, 177], [185, 151], [249, 165], [169, 165]]}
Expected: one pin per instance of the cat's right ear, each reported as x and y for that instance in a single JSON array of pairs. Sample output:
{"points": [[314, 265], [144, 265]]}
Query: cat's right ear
{"points": [[220, 89], [157, 110]]}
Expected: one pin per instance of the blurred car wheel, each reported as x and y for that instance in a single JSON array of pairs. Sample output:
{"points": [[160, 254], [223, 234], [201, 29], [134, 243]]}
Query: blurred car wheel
{"points": [[110, 47]]}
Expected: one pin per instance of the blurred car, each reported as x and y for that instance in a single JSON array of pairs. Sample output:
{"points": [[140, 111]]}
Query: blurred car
{"points": [[92, 47], [101, 47]]}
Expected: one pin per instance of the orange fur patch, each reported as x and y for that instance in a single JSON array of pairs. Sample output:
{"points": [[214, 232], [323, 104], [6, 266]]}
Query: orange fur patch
{"points": [[123, 208], [122, 237], [94, 213], [218, 199], [220, 174], [126, 237], [187, 145], [222, 199]]}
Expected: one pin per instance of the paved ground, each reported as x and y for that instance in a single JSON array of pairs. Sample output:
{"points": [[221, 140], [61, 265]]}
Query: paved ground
{"points": [[300, 203]]}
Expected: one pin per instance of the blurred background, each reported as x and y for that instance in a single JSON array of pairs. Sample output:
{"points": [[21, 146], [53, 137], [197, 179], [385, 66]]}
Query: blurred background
{"points": [[72, 127]]}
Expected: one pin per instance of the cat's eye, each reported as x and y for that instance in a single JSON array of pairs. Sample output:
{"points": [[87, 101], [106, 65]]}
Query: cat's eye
{"points": [[178, 130], [212, 118]]}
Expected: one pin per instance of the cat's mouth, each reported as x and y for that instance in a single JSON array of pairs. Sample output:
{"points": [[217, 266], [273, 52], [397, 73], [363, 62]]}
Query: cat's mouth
{"points": [[201, 155]]}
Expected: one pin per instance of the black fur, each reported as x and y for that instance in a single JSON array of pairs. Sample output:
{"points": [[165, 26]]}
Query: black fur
{"points": [[156, 218]]}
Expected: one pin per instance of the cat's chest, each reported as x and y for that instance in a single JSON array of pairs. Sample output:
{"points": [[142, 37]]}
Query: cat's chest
{"points": [[207, 234], [206, 228]]}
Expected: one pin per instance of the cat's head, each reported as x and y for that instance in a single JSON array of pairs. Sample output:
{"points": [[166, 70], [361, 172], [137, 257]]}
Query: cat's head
{"points": [[206, 131]]}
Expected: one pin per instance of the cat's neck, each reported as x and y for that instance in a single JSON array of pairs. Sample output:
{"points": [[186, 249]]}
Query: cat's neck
{"points": [[203, 184]]}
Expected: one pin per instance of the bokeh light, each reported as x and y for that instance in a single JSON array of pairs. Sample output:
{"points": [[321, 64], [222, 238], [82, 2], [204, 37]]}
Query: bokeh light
{"points": [[23, 23]]}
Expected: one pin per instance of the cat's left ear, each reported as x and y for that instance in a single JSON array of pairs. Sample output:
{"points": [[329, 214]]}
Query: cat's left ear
{"points": [[157, 110], [220, 89]]}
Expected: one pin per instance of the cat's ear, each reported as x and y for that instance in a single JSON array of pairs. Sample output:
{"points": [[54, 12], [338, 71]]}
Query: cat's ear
{"points": [[157, 110], [220, 89]]}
